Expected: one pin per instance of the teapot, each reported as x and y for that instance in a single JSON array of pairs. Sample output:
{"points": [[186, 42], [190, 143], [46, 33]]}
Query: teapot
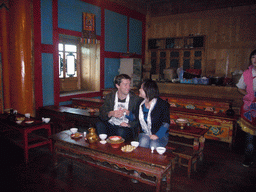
{"points": [[11, 116], [92, 136]]}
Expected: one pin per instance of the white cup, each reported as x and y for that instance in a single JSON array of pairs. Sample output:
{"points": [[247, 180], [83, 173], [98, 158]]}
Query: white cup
{"points": [[27, 115], [46, 120], [84, 134]]}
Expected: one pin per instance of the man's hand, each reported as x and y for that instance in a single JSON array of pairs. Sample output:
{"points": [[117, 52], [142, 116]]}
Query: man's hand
{"points": [[117, 113], [127, 112]]}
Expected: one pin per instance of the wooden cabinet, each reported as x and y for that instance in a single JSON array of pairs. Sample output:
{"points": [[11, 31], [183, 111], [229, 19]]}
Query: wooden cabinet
{"points": [[187, 52]]}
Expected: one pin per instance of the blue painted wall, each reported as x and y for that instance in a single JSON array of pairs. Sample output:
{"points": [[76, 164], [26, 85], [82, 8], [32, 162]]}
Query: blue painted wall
{"points": [[111, 70], [70, 15], [46, 21], [70, 18], [115, 32], [48, 81], [135, 36]]}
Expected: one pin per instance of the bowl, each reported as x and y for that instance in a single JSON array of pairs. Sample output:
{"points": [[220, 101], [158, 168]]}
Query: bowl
{"points": [[27, 115], [115, 141], [115, 138], [46, 120], [103, 136], [135, 143], [73, 130], [116, 145], [181, 123], [160, 150]]}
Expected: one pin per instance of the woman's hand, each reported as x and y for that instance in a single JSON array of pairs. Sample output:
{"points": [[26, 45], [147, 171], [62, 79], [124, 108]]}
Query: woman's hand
{"points": [[123, 124], [153, 137]]}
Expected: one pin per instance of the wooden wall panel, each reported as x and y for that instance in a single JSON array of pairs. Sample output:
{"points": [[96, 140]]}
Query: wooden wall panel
{"points": [[230, 35]]}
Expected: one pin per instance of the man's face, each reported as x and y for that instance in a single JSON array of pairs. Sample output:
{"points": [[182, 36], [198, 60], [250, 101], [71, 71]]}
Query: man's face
{"points": [[124, 86]]}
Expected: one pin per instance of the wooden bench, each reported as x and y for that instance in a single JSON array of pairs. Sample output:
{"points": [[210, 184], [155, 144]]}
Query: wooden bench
{"points": [[188, 157], [187, 144], [205, 113]]}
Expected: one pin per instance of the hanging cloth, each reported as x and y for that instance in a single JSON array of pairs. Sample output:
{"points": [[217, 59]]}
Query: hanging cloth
{"points": [[146, 126]]}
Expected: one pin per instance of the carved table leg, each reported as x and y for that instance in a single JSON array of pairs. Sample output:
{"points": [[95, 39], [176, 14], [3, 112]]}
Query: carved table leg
{"points": [[168, 180], [158, 184]]}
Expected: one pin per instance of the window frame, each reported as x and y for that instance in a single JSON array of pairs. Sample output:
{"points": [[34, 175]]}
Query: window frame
{"points": [[67, 83]]}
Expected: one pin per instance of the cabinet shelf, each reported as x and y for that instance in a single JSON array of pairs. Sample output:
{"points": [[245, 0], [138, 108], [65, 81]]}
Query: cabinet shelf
{"points": [[188, 42]]}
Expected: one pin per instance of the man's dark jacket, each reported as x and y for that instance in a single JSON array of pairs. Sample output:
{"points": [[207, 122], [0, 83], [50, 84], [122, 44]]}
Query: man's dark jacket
{"points": [[109, 104]]}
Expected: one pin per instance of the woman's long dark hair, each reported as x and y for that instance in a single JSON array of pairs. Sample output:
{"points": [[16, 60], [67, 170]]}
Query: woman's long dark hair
{"points": [[250, 58], [151, 89]]}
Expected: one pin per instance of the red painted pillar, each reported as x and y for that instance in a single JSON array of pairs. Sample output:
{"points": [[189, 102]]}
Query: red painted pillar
{"points": [[21, 55]]}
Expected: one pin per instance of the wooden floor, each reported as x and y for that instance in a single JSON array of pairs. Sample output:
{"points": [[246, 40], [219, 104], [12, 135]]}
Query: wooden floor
{"points": [[220, 170]]}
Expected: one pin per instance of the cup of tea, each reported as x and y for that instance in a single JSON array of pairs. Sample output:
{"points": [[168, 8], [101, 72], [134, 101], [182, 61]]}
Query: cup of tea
{"points": [[27, 115]]}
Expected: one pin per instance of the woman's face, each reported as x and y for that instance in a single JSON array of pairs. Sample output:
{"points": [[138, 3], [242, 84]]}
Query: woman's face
{"points": [[253, 60], [142, 92]]}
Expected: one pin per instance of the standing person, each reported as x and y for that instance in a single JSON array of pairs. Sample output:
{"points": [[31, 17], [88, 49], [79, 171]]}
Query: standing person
{"points": [[117, 112], [154, 116], [247, 121]]}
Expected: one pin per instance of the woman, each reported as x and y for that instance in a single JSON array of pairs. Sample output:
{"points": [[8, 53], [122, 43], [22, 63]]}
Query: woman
{"points": [[154, 117], [247, 121]]}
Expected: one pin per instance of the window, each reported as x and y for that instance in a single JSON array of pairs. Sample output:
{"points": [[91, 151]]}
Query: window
{"points": [[79, 65], [67, 60]]}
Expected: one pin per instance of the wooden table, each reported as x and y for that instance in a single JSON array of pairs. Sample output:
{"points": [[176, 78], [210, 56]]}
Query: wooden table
{"points": [[84, 102], [23, 135], [153, 165], [187, 143], [64, 118], [194, 133]]}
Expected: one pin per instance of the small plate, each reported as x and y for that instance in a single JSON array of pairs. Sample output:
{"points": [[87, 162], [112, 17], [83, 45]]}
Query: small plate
{"points": [[74, 137], [20, 118], [19, 122], [29, 122], [103, 141], [128, 148]]}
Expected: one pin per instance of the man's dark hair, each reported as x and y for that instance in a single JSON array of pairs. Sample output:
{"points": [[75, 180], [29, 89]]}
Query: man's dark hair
{"points": [[118, 78], [151, 89]]}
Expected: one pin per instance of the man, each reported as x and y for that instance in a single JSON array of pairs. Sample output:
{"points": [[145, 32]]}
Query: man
{"points": [[117, 112]]}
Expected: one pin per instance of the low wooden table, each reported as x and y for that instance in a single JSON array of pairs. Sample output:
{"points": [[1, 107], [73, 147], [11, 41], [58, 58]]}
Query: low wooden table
{"points": [[154, 166], [64, 118], [194, 133], [187, 143], [23, 135], [84, 102]]}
